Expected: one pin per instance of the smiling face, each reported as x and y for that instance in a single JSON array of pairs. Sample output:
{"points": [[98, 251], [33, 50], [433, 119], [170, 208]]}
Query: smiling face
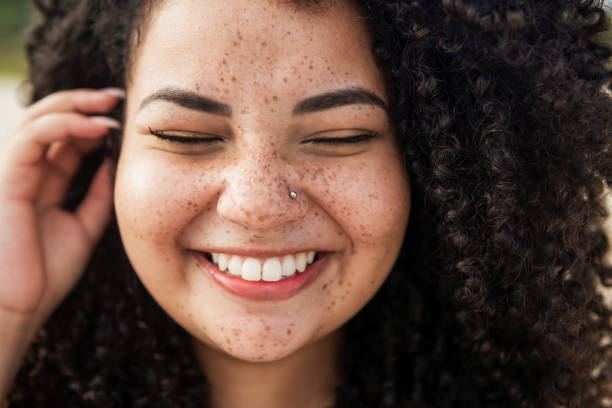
{"points": [[231, 107]]}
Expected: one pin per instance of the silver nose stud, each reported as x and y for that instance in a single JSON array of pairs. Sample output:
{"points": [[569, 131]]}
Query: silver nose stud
{"points": [[293, 195]]}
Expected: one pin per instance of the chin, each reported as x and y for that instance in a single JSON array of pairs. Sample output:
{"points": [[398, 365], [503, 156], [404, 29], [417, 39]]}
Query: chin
{"points": [[256, 354]]}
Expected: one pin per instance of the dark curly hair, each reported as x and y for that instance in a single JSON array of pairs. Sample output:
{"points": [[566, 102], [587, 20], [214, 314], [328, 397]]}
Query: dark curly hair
{"points": [[501, 110]]}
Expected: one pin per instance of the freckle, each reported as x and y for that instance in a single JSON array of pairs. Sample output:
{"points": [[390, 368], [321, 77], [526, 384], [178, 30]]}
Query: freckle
{"points": [[233, 79], [229, 349], [197, 87], [267, 328], [263, 44], [285, 80], [266, 100], [310, 66], [289, 331], [235, 43], [275, 98], [316, 214], [325, 286], [224, 62], [372, 282], [340, 282], [222, 79]]}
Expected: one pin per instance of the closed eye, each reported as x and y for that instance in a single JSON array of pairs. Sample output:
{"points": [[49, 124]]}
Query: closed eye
{"points": [[342, 140], [184, 139]]}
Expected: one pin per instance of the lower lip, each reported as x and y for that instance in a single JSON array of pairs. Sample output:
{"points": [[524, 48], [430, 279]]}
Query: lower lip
{"points": [[262, 290]]}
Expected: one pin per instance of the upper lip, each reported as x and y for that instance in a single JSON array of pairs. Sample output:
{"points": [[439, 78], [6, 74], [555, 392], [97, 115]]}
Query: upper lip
{"points": [[257, 253]]}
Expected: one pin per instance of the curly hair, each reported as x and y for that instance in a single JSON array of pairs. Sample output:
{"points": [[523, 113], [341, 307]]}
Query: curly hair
{"points": [[495, 298]]}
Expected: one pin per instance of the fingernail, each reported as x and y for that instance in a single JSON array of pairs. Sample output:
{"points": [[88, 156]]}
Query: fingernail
{"points": [[118, 92], [105, 121]]}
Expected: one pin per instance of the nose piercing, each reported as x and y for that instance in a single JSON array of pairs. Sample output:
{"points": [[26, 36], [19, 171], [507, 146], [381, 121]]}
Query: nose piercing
{"points": [[293, 195]]}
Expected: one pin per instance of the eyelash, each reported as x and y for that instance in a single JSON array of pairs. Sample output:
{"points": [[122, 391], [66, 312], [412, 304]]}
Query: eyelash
{"points": [[329, 141], [343, 140], [183, 139]]}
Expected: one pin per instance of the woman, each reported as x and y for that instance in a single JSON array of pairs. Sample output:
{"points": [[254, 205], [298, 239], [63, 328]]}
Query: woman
{"points": [[279, 164]]}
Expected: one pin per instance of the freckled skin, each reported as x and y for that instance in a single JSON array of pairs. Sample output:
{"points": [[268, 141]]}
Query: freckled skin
{"points": [[353, 200]]}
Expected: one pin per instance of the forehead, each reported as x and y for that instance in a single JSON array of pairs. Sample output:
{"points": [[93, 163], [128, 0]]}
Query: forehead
{"points": [[255, 44]]}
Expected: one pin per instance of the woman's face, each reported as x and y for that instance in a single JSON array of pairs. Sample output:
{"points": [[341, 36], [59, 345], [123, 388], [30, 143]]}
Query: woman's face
{"points": [[233, 105]]}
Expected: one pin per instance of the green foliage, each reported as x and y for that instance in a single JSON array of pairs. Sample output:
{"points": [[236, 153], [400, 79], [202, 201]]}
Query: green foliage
{"points": [[14, 18], [12, 57]]}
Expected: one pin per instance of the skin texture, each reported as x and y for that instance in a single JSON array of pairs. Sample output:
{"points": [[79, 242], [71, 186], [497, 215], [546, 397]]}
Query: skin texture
{"points": [[353, 200]]}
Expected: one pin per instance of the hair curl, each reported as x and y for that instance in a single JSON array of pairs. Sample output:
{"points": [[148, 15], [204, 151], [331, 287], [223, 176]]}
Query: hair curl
{"points": [[494, 300]]}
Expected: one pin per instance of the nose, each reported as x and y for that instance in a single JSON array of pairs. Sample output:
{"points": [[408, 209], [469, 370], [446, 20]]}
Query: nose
{"points": [[257, 194]]}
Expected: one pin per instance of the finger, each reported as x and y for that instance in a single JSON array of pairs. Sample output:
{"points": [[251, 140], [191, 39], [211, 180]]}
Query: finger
{"points": [[83, 146], [94, 212], [79, 100], [20, 168], [62, 162], [34, 140]]}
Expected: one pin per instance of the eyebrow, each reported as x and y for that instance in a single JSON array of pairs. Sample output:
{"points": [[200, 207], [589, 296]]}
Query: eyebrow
{"points": [[317, 103], [188, 99], [335, 99]]}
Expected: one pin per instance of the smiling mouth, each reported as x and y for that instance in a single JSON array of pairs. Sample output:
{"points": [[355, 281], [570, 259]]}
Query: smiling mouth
{"points": [[271, 269]]}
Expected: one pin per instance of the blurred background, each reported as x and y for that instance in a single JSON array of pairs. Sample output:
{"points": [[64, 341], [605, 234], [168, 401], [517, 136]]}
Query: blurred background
{"points": [[15, 18]]}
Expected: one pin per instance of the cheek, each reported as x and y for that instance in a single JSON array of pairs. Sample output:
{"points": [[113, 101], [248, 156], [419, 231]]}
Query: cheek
{"points": [[370, 200], [156, 198], [370, 203]]}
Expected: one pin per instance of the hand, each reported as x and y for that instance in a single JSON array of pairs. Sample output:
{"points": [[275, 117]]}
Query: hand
{"points": [[43, 248]]}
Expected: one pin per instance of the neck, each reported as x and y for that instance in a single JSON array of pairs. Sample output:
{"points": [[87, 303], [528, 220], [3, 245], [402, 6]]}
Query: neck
{"points": [[305, 379]]}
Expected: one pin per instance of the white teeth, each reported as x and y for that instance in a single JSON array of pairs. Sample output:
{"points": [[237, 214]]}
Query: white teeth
{"points": [[270, 270], [300, 262], [251, 269], [288, 265], [223, 261], [235, 265]]}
